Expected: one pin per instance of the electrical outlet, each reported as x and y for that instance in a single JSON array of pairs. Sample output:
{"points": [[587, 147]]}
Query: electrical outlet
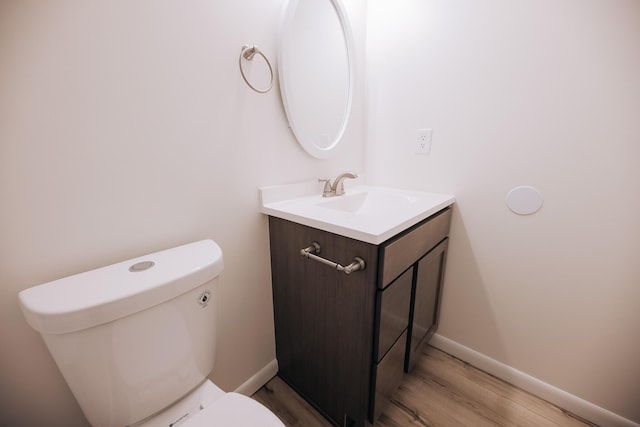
{"points": [[423, 141]]}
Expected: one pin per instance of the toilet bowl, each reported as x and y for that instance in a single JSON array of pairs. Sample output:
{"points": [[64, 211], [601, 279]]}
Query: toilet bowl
{"points": [[135, 341], [209, 406]]}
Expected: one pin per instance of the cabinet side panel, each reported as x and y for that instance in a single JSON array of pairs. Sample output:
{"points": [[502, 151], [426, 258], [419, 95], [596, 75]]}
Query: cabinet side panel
{"points": [[323, 319]]}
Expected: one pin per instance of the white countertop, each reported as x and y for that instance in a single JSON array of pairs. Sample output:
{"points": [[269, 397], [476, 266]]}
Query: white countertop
{"points": [[370, 214]]}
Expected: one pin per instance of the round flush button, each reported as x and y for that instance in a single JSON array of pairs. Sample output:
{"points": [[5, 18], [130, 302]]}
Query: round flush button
{"points": [[141, 266], [524, 200]]}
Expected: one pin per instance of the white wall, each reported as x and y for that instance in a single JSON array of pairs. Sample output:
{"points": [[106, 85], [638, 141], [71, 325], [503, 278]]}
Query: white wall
{"points": [[541, 93], [125, 128]]}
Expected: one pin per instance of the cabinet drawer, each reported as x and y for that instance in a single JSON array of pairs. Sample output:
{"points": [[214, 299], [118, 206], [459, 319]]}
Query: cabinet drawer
{"points": [[402, 252], [388, 375], [393, 317]]}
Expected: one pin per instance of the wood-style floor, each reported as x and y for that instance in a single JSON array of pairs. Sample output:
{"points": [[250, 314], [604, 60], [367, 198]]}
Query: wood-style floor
{"points": [[442, 391]]}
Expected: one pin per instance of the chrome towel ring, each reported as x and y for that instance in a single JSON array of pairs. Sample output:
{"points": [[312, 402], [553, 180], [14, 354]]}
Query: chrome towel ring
{"points": [[248, 52]]}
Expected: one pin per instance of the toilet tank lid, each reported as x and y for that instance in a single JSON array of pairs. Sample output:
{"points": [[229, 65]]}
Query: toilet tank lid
{"points": [[105, 294]]}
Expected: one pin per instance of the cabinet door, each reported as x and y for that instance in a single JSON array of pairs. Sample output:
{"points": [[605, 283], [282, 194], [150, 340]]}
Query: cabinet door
{"points": [[426, 301]]}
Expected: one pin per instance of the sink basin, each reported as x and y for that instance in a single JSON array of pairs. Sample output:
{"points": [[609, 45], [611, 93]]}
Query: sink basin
{"points": [[372, 200], [368, 213], [351, 203]]}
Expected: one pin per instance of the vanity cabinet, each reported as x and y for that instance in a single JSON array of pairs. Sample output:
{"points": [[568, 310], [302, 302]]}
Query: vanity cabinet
{"points": [[344, 341]]}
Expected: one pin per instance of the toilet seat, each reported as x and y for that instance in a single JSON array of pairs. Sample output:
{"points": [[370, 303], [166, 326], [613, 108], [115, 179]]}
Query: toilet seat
{"points": [[234, 409]]}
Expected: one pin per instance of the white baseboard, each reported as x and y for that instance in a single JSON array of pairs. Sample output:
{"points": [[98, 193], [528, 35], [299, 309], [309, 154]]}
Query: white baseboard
{"points": [[262, 377], [561, 398]]}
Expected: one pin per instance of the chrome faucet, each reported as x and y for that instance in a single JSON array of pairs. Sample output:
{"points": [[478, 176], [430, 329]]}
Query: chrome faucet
{"points": [[337, 188]]}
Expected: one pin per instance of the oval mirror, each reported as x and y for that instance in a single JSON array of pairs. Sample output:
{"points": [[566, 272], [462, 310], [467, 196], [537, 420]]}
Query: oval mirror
{"points": [[316, 69]]}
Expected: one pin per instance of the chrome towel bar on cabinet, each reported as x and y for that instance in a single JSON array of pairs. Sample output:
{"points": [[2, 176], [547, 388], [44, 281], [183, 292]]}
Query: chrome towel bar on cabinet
{"points": [[314, 248]]}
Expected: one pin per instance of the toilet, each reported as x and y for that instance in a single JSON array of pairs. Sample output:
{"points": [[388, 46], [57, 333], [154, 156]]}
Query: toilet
{"points": [[136, 340]]}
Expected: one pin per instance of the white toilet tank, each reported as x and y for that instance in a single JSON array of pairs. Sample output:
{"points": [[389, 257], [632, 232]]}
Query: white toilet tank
{"points": [[133, 337]]}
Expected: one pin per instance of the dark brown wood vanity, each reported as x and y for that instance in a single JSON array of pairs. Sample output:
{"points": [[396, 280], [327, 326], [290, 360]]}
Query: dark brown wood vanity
{"points": [[343, 342]]}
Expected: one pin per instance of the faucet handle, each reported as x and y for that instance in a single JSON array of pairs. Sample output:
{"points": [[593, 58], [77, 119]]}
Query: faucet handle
{"points": [[326, 191]]}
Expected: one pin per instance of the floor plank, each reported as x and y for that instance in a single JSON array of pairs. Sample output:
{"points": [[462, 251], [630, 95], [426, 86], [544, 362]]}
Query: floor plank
{"points": [[442, 391], [292, 409]]}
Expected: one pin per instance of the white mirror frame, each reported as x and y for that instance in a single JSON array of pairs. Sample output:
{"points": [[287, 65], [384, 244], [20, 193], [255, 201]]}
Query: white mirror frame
{"points": [[303, 136]]}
